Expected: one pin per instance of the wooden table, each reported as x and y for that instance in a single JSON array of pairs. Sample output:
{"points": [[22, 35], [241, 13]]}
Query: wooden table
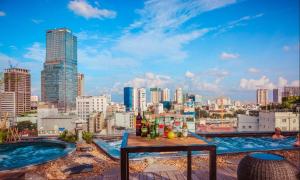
{"points": [[137, 144]]}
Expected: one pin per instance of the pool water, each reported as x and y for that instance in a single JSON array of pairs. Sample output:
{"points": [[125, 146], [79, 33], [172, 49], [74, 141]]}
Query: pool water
{"points": [[267, 156], [31, 153], [224, 146]]}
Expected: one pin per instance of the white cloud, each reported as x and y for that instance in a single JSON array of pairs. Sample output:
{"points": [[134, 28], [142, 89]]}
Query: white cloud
{"points": [[225, 55], [158, 44], [265, 82], [295, 83], [6, 61], [83, 8], [36, 52], [37, 21], [292, 47], [150, 80], [2, 13], [155, 34], [253, 84], [253, 70], [282, 82], [286, 48], [84, 35], [209, 80], [92, 57], [189, 74], [236, 23]]}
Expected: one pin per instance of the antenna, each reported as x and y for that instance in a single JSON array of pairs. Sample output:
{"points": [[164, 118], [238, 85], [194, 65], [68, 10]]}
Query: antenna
{"points": [[11, 64]]}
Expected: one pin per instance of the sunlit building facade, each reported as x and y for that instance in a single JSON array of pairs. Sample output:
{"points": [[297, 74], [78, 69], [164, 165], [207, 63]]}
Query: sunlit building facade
{"points": [[18, 80]]}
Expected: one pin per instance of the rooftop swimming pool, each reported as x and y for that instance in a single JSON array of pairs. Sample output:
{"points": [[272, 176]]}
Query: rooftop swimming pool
{"points": [[21, 154], [224, 145]]}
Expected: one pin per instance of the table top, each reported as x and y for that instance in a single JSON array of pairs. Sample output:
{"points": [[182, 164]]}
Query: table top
{"points": [[160, 141]]}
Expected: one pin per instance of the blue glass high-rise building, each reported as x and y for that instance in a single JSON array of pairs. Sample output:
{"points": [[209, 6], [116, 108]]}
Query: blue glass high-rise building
{"points": [[129, 98], [59, 76]]}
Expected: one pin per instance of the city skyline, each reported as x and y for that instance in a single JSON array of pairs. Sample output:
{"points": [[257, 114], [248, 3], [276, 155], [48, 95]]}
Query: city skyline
{"points": [[214, 48]]}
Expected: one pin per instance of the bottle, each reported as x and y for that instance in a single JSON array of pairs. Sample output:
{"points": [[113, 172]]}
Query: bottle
{"points": [[156, 127], [152, 131], [138, 125], [184, 129], [144, 129]]}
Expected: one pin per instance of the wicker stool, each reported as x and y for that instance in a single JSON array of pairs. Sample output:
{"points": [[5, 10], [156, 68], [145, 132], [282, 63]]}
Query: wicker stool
{"points": [[265, 166]]}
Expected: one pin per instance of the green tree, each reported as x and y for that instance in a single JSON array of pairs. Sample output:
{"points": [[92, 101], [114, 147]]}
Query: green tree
{"points": [[201, 113], [87, 136], [3, 135], [26, 125], [290, 102]]}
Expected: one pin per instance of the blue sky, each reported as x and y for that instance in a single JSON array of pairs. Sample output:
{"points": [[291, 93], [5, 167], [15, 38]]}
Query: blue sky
{"points": [[208, 47]]}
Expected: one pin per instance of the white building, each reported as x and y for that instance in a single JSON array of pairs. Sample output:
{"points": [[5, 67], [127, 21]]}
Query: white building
{"points": [[119, 122], [141, 94], [44, 110], [85, 105], [286, 121], [96, 122], [223, 101], [8, 106], [155, 95], [262, 97], [115, 107], [165, 95], [179, 96], [247, 123], [158, 108], [53, 125]]}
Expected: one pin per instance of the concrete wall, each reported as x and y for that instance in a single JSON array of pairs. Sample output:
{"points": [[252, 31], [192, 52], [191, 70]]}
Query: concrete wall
{"points": [[247, 123]]}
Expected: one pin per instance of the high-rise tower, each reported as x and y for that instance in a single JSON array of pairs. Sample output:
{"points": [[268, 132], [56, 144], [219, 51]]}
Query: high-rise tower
{"points": [[59, 76], [17, 80]]}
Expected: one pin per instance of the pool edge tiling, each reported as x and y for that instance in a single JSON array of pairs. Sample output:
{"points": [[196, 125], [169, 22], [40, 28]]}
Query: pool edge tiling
{"points": [[67, 149], [248, 144]]}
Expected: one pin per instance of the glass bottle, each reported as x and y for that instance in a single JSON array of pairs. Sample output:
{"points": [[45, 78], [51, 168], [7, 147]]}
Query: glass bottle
{"points": [[184, 129], [138, 125], [152, 131]]}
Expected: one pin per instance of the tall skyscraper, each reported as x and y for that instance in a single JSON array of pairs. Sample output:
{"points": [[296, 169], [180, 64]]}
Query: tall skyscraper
{"points": [[155, 95], [262, 97], [179, 96], [17, 80], [80, 86], [141, 99], [165, 95], [276, 96], [129, 94], [59, 76]]}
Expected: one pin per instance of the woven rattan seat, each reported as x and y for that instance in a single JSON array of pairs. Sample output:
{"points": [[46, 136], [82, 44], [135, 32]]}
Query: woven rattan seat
{"points": [[266, 166]]}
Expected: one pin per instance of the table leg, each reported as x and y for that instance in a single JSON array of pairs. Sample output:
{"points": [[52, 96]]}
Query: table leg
{"points": [[212, 164], [124, 165], [189, 165]]}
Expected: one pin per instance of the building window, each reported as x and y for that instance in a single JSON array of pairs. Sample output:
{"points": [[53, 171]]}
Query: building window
{"points": [[250, 127], [283, 120], [244, 127]]}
